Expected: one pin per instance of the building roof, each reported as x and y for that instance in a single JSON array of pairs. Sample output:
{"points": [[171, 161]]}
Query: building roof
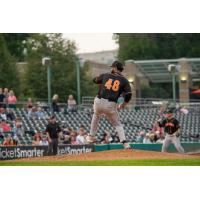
{"points": [[157, 70]]}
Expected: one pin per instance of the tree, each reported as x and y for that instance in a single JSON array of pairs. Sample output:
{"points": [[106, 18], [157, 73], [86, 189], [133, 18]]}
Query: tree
{"points": [[135, 46], [9, 76], [34, 83], [63, 67], [157, 45], [88, 88], [16, 43], [50, 45]]}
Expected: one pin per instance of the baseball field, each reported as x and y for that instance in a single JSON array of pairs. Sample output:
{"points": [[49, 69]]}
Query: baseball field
{"points": [[111, 158]]}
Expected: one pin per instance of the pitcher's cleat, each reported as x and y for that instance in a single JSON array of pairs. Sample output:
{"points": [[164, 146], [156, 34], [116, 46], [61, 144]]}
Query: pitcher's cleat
{"points": [[126, 145]]}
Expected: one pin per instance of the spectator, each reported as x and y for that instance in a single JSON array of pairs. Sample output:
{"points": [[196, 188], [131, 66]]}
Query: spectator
{"points": [[18, 127], [36, 141], [44, 141], [73, 140], [3, 114], [140, 137], [29, 104], [152, 137], [4, 126], [66, 131], [80, 139], [160, 140], [147, 139], [71, 104], [8, 141], [2, 98], [61, 136], [10, 115], [184, 110], [55, 106], [1, 134], [1, 130], [82, 128], [67, 139], [15, 140], [73, 136], [6, 93], [40, 114], [105, 139], [12, 100], [53, 130], [37, 135], [32, 113], [158, 135], [157, 129]]}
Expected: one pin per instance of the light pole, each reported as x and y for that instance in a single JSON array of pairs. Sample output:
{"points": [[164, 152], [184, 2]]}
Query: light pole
{"points": [[133, 100], [174, 86], [78, 81], [172, 68], [46, 61]]}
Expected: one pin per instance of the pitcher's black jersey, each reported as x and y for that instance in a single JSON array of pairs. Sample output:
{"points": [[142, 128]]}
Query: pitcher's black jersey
{"points": [[112, 85]]}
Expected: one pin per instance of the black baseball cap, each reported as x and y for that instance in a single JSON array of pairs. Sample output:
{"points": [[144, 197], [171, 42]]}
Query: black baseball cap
{"points": [[118, 64]]}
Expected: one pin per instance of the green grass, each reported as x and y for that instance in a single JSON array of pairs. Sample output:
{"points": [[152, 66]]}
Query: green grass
{"points": [[150, 162]]}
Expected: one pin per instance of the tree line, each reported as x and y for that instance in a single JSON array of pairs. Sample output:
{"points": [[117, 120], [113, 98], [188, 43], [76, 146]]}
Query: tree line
{"points": [[142, 46], [31, 48]]}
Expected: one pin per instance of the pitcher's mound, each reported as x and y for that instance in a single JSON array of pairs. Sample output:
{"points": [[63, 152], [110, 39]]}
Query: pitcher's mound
{"points": [[116, 155]]}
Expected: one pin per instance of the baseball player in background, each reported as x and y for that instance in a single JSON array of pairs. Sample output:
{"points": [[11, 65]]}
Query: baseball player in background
{"points": [[172, 130], [112, 85]]}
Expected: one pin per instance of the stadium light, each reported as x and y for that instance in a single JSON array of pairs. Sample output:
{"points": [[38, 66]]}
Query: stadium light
{"points": [[131, 80], [173, 69], [46, 61], [183, 79]]}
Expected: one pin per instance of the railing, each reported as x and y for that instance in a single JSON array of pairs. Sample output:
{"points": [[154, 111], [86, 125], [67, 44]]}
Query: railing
{"points": [[43, 104], [87, 101]]}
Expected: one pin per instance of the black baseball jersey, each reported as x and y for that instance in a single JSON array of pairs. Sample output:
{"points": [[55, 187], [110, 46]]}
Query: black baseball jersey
{"points": [[170, 125], [112, 85], [53, 130]]}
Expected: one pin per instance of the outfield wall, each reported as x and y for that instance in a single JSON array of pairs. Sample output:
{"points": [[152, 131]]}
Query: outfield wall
{"points": [[16, 152], [189, 147]]}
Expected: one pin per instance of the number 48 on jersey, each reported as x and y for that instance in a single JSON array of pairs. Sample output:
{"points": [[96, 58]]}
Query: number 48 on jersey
{"points": [[112, 85]]}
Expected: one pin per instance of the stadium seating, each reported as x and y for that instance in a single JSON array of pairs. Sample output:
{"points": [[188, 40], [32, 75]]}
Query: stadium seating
{"points": [[134, 122]]}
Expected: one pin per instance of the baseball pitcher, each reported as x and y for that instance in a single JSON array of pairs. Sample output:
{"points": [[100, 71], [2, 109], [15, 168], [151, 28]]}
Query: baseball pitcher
{"points": [[172, 130], [112, 85]]}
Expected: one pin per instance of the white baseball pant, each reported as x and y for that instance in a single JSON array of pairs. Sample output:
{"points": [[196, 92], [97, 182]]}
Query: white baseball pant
{"points": [[172, 139], [109, 109]]}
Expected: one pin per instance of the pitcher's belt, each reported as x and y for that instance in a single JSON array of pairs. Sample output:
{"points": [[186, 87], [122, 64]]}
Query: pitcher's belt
{"points": [[109, 99]]}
